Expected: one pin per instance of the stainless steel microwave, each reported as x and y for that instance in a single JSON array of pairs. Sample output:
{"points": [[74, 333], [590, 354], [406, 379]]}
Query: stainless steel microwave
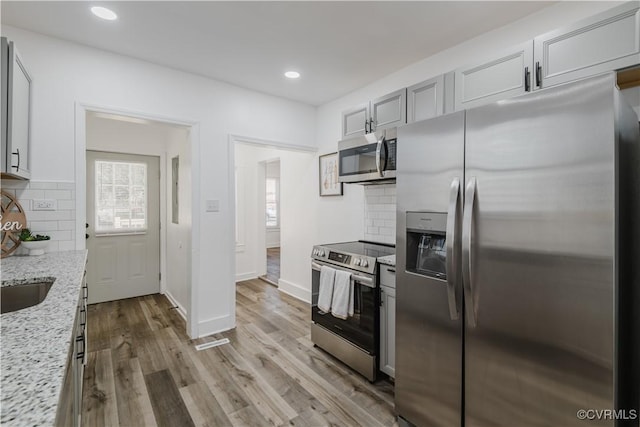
{"points": [[368, 159]]}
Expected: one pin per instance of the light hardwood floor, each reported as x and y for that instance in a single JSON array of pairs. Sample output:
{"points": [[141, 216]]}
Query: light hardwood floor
{"points": [[144, 371]]}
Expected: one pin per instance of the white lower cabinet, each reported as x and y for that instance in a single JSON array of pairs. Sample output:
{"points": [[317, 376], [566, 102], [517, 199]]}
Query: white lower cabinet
{"points": [[388, 320]]}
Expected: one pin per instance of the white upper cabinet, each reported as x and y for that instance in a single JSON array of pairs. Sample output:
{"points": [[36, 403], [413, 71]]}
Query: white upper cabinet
{"points": [[389, 111], [355, 121], [425, 100], [16, 113], [501, 76], [381, 113], [605, 42]]}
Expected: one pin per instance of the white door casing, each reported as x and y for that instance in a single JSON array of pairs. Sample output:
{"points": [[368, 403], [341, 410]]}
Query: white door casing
{"points": [[124, 245]]}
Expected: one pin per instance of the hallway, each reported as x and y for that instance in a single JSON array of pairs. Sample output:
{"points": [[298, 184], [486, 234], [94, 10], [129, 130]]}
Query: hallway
{"points": [[273, 266]]}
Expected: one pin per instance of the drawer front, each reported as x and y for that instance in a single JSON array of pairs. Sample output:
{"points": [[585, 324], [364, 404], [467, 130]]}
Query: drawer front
{"points": [[387, 276]]}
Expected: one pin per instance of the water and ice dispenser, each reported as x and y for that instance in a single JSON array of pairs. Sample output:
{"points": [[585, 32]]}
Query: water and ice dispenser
{"points": [[427, 244]]}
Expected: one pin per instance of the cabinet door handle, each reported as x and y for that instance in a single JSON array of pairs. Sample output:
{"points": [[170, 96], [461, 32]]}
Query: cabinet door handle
{"points": [[17, 153], [366, 126], [391, 270], [381, 299], [80, 354], [371, 125], [538, 74], [527, 80]]}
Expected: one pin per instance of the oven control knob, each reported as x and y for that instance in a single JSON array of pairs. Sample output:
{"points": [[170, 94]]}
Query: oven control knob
{"points": [[357, 261], [364, 263], [315, 252], [321, 252]]}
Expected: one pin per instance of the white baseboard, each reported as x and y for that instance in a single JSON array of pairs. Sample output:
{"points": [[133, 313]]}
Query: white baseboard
{"points": [[246, 276], [216, 325], [294, 290], [179, 308]]}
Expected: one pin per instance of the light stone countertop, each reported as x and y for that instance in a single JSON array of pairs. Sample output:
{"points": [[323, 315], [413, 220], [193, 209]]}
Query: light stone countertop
{"points": [[388, 260], [35, 341]]}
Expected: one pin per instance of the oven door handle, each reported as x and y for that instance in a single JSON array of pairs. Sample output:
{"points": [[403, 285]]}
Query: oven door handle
{"points": [[368, 282]]}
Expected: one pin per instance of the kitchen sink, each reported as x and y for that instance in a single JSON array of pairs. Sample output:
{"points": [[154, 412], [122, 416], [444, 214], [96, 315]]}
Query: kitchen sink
{"points": [[17, 297]]}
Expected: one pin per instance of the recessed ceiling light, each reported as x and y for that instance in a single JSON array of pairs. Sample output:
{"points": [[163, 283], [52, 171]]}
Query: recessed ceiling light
{"points": [[104, 13], [292, 74]]}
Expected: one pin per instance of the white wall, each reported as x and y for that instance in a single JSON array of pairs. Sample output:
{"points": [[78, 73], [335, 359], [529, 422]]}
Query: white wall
{"points": [[178, 275], [298, 191], [273, 233], [65, 74], [328, 122]]}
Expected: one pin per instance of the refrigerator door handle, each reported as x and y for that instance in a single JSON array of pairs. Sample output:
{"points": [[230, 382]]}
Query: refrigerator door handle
{"points": [[453, 254], [467, 240]]}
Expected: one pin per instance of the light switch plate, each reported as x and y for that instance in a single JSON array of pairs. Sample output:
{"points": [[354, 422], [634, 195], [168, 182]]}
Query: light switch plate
{"points": [[213, 205], [45, 204]]}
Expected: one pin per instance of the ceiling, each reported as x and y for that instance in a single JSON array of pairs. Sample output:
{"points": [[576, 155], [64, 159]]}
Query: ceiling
{"points": [[336, 46]]}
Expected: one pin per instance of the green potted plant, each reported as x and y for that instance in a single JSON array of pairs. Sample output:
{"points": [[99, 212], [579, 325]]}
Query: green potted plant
{"points": [[35, 243]]}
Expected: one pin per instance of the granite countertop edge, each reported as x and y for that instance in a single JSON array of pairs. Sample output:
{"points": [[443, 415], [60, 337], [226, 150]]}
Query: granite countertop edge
{"points": [[35, 341], [388, 260]]}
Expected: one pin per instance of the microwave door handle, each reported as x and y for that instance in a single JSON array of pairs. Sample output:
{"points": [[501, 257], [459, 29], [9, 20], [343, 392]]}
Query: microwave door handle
{"points": [[378, 160], [453, 245]]}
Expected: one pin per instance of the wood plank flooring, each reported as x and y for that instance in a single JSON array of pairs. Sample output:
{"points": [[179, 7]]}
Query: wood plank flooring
{"points": [[144, 371]]}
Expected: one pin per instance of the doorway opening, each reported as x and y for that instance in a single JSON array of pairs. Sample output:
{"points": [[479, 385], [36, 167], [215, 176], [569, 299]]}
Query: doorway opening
{"points": [[138, 208], [274, 187], [272, 220]]}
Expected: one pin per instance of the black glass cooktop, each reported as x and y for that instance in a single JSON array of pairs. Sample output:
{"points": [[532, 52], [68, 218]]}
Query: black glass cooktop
{"points": [[371, 249]]}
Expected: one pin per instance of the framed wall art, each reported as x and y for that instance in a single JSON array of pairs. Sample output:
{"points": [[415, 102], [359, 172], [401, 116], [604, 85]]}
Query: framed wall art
{"points": [[329, 184]]}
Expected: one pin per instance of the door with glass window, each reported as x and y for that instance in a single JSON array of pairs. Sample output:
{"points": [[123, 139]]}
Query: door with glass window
{"points": [[123, 225]]}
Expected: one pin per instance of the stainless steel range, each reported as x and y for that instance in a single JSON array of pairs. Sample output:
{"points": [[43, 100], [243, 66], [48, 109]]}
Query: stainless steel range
{"points": [[355, 340]]}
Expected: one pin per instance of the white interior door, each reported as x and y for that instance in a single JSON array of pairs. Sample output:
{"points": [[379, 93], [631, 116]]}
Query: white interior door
{"points": [[123, 225]]}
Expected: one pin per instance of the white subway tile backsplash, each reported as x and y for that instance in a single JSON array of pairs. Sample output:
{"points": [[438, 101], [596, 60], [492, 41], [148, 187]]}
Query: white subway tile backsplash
{"points": [[47, 215], [37, 226], [43, 185], [387, 231], [58, 194], [58, 224], [28, 194], [14, 184], [66, 205], [61, 235], [68, 245], [377, 190], [66, 225], [380, 213]]}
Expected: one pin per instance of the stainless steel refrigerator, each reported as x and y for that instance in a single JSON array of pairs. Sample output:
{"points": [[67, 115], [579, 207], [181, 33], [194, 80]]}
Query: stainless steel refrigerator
{"points": [[518, 297]]}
